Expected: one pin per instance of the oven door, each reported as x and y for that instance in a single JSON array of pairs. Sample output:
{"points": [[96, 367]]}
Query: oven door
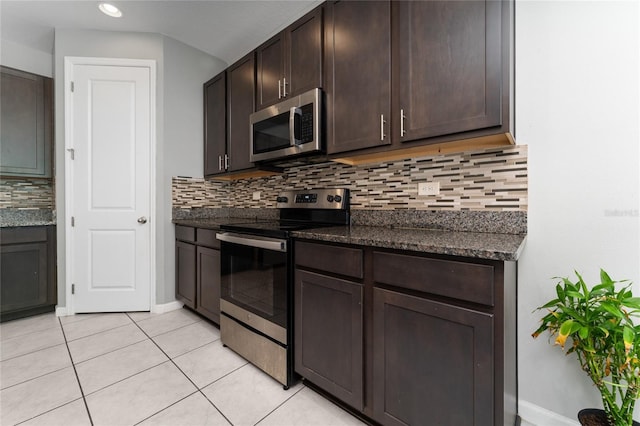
{"points": [[255, 281]]}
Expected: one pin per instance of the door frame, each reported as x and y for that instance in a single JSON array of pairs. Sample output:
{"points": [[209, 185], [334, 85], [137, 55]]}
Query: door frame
{"points": [[69, 63]]}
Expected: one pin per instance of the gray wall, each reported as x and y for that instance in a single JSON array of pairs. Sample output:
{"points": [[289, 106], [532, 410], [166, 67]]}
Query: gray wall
{"points": [[185, 70], [181, 71], [577, 107], [21, 57]]}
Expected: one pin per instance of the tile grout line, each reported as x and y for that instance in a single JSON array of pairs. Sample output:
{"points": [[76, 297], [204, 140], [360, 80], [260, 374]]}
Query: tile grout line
{"points": [[84, 399], [183, 373], [280, 405]]}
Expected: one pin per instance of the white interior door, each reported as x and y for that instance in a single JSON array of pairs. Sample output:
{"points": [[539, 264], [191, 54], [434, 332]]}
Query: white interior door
{"points": [[110, 145]]}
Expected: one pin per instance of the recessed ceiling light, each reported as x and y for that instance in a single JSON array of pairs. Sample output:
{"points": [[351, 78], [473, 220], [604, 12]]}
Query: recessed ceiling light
{"points": [[109, 9]]}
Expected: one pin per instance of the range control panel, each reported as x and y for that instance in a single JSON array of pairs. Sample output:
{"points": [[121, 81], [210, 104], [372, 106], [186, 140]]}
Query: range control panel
{"points": [[335, 198]]}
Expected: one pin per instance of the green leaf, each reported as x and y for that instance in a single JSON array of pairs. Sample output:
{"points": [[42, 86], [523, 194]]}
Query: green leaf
{"points": [[583, 332], [560, 292], [628, 335], [632, 302], [612, 309], [582, 284], [574, 294], [604, 277], [600, 287], [550, 304]]}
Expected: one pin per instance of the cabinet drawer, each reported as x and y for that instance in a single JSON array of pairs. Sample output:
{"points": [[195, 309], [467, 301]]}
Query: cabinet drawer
{"points": [[207, 237], [335, 259], [27, 234], [185, 233], [458, 280]]}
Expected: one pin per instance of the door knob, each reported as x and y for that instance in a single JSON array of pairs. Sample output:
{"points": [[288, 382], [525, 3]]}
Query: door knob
{"points": [[142, 220]]}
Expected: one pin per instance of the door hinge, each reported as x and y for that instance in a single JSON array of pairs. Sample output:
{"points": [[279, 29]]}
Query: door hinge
{"points": [[73, 221], [72, 86], [73, 289]]}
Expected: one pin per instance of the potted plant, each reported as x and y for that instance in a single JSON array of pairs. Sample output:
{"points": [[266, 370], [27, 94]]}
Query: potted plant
{"points": [[598, 322]]}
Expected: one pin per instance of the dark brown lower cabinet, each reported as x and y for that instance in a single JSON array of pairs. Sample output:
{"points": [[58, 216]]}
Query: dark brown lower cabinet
{"points": [[208, 283], [408, 338], [198, 271], [432, 362], [27, 264], [186, 273], [328, 334]]}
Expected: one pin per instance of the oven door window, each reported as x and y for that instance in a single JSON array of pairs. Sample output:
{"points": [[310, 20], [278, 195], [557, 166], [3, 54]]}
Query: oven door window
{"points": [[255, 279]]}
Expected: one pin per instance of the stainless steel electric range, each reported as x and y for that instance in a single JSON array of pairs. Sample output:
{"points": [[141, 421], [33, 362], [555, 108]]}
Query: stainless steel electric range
{"points": [[256, 301]]}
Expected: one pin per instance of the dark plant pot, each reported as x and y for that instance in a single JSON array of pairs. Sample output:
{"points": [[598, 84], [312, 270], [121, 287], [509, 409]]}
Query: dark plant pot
{"points": [[595, 417]]}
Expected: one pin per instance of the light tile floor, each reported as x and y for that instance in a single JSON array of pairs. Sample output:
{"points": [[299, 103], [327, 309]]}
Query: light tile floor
{"points": [[142, 368]]}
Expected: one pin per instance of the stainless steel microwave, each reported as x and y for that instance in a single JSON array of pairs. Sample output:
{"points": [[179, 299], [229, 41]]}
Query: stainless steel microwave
{"points": [[287, 129]]}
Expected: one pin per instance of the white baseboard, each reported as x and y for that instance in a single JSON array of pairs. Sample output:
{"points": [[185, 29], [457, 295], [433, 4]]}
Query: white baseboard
{"points": [[61, 311], [535, 415], [166, 307]]}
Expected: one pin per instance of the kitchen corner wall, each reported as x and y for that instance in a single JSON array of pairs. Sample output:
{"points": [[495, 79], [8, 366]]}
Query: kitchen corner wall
{"points": [[491, 179]]}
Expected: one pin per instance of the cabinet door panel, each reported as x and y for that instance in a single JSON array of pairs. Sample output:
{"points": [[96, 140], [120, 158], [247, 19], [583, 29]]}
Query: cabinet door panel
{"points": [[26, 121], [215, 129], [303, 67], [447, 67], [358, 74], [240, 105], [433, 362], [208, 278], [329, 335], [24, 276], [186, 273], [270, 71]]}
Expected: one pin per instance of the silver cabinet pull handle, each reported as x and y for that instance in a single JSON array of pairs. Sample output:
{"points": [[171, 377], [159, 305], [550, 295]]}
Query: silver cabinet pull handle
{"points": [[382, 135], [226, 161], [142, 220], [402, 117], [219, 162], [284, 87], [279, 90]]}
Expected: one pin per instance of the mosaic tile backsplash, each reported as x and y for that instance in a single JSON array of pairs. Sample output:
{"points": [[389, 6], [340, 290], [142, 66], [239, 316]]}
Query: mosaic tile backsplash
{"points": [[492, 179], [26, 194]]}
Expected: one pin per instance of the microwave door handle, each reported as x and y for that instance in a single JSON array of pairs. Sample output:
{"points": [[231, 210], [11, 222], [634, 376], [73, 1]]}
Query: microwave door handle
{"points": [[295, 124]]}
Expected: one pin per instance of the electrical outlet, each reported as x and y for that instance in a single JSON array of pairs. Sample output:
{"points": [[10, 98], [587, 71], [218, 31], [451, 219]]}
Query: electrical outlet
{"points": [[429, 188], [256, 195]]}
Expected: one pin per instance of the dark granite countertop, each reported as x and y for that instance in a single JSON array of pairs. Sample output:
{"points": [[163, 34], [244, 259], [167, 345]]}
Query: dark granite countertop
{"points": [[211, 222], [10, 218], [494, 246], [483, 245]]}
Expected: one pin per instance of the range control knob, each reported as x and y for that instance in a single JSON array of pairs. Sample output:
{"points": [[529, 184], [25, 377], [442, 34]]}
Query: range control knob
{"points": [[282, 200], [330, 198], [337, 198]]}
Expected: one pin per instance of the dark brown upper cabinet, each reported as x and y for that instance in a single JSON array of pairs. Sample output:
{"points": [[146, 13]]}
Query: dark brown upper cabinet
{"points": [[406, 77], [240, 105], [358, 74], [26, 122], [447, 59], [290, 63], [215, 128]]}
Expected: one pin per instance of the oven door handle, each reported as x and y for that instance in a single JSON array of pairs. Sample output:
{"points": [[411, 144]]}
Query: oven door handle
{"points": [[259, 242]]}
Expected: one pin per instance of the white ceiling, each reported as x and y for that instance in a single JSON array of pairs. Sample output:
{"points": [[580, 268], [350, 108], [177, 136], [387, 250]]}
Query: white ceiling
{"points": [[227, 29]]}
